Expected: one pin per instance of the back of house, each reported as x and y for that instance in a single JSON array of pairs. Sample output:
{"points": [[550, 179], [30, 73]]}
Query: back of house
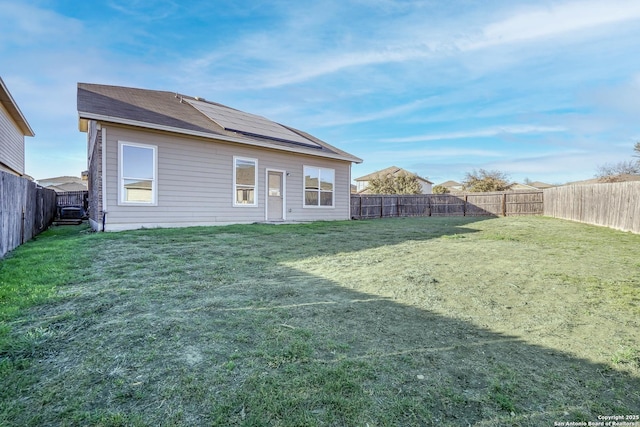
{"points": [[161, 159]]}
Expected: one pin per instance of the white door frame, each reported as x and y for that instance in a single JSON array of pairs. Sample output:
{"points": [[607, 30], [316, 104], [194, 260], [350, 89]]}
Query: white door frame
{"points": [[284, 193]]}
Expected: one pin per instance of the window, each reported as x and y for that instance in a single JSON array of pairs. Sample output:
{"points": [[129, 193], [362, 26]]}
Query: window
{"points": [[318, 187], [245, 178], [137, 173]]}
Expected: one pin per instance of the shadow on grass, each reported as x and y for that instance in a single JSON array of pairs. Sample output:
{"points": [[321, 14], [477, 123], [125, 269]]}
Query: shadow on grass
{"points": [[223, 331]]}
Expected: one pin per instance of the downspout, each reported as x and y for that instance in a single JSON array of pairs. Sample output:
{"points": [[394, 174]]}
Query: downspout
{"points": [[104, 176], [350, 214]]}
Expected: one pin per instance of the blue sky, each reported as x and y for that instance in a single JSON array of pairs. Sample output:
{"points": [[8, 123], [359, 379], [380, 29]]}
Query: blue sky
{"points": [[544, 90]]}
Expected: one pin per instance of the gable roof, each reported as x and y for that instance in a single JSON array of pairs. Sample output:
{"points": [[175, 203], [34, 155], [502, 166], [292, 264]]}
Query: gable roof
{"points": [[173, 112], [10, 104], [391, 170], [624, 177], [521, 186], [540, 185], [450, 183]]}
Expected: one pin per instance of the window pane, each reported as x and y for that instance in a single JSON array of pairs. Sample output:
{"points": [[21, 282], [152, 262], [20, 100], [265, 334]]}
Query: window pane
{"points": [[245, 172], [326, 179], [274, 184], [311, 198], [137, 162], [326, 199], [311, 178], [245, 196], [138, 191]]}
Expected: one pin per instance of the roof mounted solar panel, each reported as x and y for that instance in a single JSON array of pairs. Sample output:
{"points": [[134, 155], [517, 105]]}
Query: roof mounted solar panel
{"points": [[249, 124]]}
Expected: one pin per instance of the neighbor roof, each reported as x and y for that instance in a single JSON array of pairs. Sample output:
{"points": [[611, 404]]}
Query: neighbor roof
{"points": [[450, 183], [392, 170], [7, 100], [174, 112], [624, 177]]}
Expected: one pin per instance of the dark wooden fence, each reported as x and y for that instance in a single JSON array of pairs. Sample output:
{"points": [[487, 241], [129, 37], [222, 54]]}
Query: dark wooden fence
{"points": [[509, 203], [72, 198], [25, 211], [615, 205]]}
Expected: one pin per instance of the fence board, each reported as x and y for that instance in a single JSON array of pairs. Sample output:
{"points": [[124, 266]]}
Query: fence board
{"points": [[615, 205], [25, 211]]}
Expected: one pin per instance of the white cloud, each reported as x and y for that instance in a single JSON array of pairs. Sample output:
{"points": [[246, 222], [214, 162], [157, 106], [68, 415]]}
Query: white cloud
{"points": [[543, 22], [479, 133], [288, 56], [22, 24], [373, 116]]}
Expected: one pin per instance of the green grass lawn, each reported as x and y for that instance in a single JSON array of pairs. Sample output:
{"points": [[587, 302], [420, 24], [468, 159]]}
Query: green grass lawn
{"points": [[427, 321]]}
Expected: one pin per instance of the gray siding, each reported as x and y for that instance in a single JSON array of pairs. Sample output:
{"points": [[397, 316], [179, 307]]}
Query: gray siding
{"points": [[94, 184], [195, 183], [11, 144]]}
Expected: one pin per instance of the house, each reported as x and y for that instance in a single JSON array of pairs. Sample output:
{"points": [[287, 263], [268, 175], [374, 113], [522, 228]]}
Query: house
{"points": [[624, 177], [452, 186], [541, 185], [13, 128], [535, 185], [363, 182], [162, 159], [517, 186], [63, 184]]}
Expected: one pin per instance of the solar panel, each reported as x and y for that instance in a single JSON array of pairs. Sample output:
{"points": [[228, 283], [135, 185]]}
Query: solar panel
{"points": [[249, 124]]}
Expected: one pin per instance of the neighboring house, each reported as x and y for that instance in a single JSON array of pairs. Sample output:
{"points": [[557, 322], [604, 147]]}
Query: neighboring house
{"points": [[625, 177], [516, 186], [362, 182], [63, 184], [452, 186], [161, 159], [541, 185], [13, 129]]}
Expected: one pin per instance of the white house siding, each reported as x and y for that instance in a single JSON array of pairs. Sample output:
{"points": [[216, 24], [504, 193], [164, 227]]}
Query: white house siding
{"points": [[11, 144], [195, 187], [427, 188]]}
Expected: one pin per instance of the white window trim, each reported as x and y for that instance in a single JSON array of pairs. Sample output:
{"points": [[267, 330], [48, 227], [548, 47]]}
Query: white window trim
{"points": [[255, 186], [154, 185], [304, 189]]}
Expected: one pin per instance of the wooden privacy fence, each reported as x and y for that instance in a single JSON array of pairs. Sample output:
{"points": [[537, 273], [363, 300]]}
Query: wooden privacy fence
{"points": [[508, 203], [72, 198], [615, 205], [25, 211]]}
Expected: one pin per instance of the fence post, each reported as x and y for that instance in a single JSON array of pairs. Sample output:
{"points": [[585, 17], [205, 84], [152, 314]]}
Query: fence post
{"points": [[22, 227], [464, 206], [504, 204]]}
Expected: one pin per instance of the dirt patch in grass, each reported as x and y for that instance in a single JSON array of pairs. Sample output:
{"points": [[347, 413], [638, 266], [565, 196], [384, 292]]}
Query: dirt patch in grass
{"points": [[447, 321]]}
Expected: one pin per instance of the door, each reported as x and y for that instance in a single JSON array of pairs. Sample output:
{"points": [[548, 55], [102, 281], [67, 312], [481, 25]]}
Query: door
{"points": [[275, 197]]}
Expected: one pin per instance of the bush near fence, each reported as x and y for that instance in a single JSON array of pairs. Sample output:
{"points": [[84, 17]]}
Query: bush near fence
{"points": [[615, 205], [506, 203], [25, 211]]}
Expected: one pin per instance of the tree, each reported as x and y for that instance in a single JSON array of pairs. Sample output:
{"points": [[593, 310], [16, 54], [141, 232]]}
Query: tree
{"points": [[440, 189], [402, 183], [482, 181], [611, 172], [608, 171]]}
